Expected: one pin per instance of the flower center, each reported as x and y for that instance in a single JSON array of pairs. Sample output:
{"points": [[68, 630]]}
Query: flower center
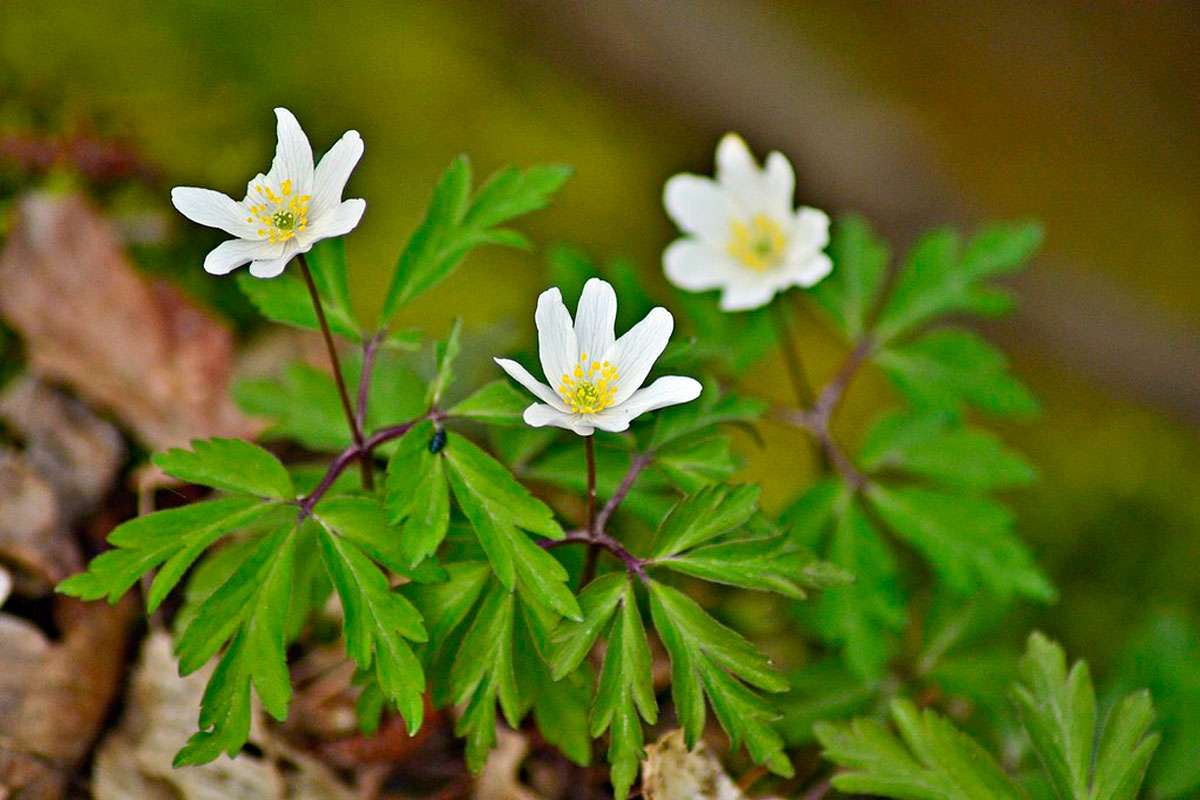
{"points": [[280, 215], [590, 387], [758, 245]]}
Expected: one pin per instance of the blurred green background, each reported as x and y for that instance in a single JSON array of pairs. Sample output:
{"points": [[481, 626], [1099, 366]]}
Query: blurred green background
{"points": [[1083, 116]]}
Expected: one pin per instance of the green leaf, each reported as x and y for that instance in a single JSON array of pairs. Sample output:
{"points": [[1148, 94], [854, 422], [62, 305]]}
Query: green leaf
{"points": [[949, 368], [445, 605], [497, 506], [808, 516], [932, 760], [774, 564], [1162, 657], [708, 410], [573, 639], [363, 521], [707, 658], [851, 291], [730, 343], [866, 615], [696, 461], [968, 540], [625, 690], [286, 299], [303, 407], [254, 604], [418, 496], [497, 403], [1058, 709], [560, 710], [650, 499], [396, 394], [174, 538], [505, 497], [444, 355], [821, 691], [455, 224], [933, 445], [377, 623], [570, 268], [232, 465], [703, 517], [483, 673], [940, 278]]}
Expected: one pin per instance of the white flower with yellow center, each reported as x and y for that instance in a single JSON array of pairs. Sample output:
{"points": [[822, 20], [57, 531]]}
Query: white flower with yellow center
{"points": [[742, 234], [286, 211], [597, 378]]}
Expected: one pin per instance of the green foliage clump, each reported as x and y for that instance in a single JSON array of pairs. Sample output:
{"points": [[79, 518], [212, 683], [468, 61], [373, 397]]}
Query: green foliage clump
{"points": [[468, 575]]}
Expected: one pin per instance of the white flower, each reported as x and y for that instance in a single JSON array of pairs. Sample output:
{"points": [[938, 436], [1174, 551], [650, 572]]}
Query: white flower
{"points": [[742, 235], [598, 377], [286, 211]]}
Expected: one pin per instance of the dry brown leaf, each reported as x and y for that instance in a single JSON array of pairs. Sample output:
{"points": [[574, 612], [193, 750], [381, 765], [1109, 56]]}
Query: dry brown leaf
{"points": [[500, 777], [76, 451], [69, 463], [54, 695], [33, 537], [125, 343], [161, 709], [672, 772]]}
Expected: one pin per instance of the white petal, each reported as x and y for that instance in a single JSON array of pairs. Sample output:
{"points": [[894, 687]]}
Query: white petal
{"points": [[595, 318], [738, 173], [747, 295], [810, 230], [696, 266], [269, 268], [635, 353], [779, 186], [809, 271], [230, 255], [214, 209], [338, 221], [670, 390], [699, 206], [557, 349], [522, 376], [293, 154], [333, 171], [540, 415]]}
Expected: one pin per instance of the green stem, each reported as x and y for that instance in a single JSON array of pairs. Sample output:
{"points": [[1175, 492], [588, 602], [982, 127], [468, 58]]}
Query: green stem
{"points": [[368, 477]]}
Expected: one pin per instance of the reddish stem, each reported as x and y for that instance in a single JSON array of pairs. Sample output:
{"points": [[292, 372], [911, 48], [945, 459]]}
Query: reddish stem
{"points": [[356, 433]]}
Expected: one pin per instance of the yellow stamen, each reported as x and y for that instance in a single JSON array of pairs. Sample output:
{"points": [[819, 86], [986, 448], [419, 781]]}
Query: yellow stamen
{"points": [[759, 245], [283, 214], [590, 387]]}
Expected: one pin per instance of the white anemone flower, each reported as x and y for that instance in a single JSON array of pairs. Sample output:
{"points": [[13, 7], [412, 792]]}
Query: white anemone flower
{"points": [[598, 378], [286, 211], [742, 234]]}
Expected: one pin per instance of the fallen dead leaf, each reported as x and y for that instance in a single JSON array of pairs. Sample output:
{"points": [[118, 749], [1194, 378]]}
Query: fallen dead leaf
{"points": [[672, 772], [161, 708], [55, 695], [500, 777], [33, 537], [76, 451], [125, 343]]}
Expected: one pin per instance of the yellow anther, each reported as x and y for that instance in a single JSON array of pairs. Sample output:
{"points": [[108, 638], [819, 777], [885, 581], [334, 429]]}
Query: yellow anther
{"points": [[759, 245]]}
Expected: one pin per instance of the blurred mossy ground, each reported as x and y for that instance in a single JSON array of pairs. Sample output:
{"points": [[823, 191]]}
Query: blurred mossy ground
{"points": [[1116, 517]]}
